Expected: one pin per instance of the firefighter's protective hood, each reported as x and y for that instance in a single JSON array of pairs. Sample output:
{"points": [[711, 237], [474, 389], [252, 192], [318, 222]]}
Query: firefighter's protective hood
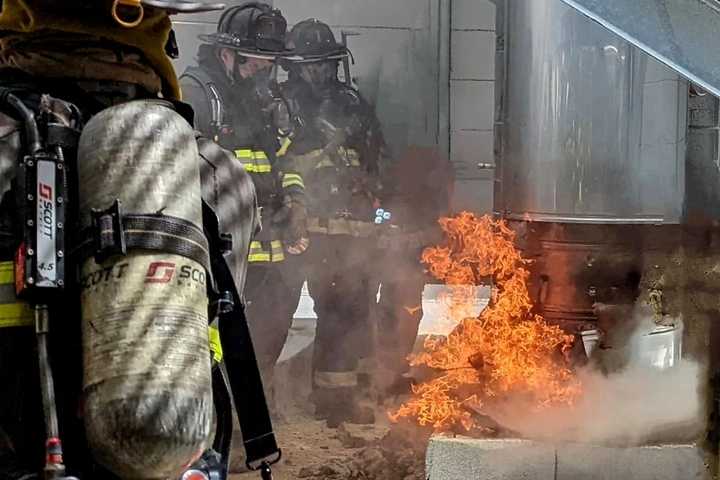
{"points": [[96, 19]]}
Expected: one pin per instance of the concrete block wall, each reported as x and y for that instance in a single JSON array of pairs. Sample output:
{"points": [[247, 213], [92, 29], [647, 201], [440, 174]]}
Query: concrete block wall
{"points": [[472, 103]]}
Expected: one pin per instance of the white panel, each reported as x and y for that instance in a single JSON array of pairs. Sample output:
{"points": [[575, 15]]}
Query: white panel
{"points": [[472, 105], [473, 55], [468, 149], [473, 14]]}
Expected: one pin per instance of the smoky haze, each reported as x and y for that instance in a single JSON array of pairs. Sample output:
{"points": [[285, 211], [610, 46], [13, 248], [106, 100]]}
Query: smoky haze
{"points": [[633, 404]]}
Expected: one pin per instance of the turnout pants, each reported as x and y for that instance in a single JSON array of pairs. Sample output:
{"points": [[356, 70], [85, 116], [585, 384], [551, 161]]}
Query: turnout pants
{"points": [[340, 282], [272, 292]]}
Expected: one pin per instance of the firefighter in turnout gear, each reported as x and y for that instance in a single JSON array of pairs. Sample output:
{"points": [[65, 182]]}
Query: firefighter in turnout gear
{"points": [[337, 151], [72, 75], [235, 100]]}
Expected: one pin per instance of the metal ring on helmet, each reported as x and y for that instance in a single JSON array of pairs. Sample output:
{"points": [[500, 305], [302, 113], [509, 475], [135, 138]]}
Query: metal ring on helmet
{"points": [[130, 13], [253, 30]]}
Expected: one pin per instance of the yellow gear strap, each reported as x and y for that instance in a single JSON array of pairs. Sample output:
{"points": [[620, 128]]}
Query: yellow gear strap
{"points": [[284, 146], [215, 345]]}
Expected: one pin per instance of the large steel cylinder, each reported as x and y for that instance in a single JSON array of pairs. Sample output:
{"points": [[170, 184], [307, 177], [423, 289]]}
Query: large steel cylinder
{"points": [[594, 128], [147, 382]]}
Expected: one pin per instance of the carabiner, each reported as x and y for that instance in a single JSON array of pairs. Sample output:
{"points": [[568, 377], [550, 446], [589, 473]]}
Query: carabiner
{"points": [[136, 4]]}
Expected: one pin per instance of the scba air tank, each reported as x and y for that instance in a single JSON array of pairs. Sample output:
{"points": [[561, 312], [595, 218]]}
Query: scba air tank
{"points": [[147, 381]]}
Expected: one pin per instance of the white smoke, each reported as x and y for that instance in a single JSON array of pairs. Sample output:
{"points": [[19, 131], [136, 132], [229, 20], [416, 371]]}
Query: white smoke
{"points": [[635, 404]]}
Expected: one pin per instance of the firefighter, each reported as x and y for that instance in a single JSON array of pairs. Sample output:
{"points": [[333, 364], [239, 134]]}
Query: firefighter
{"points": [[337, 151], [235, 100], [88, 56]]}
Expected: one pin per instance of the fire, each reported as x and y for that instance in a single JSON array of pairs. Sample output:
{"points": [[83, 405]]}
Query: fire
{"points": [[504, 351]]}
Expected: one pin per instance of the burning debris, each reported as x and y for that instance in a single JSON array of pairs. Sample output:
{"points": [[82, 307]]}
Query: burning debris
{"points": [[505, 351]]}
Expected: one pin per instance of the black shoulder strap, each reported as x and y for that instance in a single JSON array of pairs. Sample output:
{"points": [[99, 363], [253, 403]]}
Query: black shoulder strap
{"points": [[217, 109], [243, 374]]}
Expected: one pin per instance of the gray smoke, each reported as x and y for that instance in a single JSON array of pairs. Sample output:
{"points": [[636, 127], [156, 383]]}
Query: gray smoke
{"points": [[635, 404]]}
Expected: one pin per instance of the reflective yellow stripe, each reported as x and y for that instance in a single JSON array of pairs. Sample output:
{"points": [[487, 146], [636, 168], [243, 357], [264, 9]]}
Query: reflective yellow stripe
{"points": [[252, 168], [278, 253], [259, 254], [335, 379], [253, 161], [260, 155], [285, 144], [244, 153], [7, 273], [215, 345], [291, 179], [15, 315]]}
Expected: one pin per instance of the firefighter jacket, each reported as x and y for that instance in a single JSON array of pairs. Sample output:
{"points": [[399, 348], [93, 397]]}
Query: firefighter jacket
{"points": [[338, 152], [233, 116]]}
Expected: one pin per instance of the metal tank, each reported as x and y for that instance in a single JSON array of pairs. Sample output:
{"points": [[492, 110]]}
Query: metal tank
{"points": [[584, 141], [592, 169], [147, 380]]}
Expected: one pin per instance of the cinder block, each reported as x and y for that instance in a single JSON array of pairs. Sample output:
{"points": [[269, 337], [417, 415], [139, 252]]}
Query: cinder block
{"points": [[473, 14], [473, 196], [468, 150], [473, 55], [472, 105], [664, 462], [506, 459], [466, 459]]}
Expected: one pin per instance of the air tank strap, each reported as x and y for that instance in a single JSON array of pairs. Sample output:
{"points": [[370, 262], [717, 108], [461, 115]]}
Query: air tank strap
{"points": [[114, 233], [243, 375]]}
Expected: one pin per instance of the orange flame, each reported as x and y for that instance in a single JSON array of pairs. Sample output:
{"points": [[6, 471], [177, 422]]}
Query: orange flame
{"points": [[506, 350]]}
